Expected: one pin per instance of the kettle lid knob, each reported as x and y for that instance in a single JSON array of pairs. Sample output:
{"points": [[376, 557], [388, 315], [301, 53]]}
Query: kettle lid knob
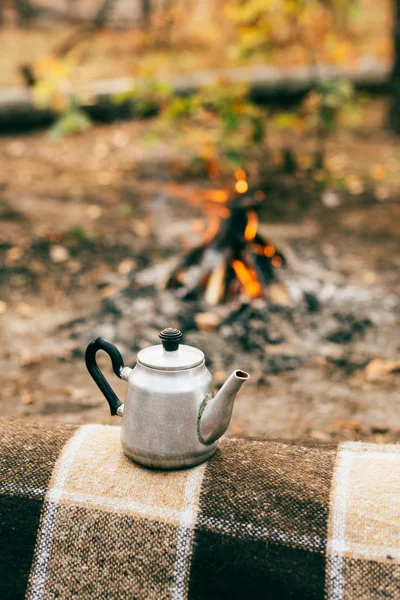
{"points": [[170, 338]]}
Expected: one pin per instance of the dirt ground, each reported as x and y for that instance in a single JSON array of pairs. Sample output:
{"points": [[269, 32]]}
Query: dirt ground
{"points": [[80, 217]]}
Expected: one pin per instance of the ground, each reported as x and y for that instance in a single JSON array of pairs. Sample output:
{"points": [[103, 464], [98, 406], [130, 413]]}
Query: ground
{"points": [[92, 223]]}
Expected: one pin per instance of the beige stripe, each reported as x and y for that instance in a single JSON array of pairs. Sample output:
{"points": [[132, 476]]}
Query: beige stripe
{"points": [[65, 461], [119, 505], [364, 520], [103, 477], [186, 532]]}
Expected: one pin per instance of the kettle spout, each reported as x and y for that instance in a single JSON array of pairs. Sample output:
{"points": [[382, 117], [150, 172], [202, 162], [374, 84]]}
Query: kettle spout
{"points": [[215, 413]]}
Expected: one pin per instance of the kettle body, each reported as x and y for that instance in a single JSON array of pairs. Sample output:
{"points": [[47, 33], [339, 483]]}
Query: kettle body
{"points": [[170, 419], [160, 417]]}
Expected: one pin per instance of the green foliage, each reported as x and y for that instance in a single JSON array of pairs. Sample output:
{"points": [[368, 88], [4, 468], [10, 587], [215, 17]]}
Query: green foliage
{"points": [[219, 124], [124, 209], [73, 120], [79, 235], [326, 104], [182, 108], [146, 94], [52, 90], [330, 105], [220, 121], [263, 25]]}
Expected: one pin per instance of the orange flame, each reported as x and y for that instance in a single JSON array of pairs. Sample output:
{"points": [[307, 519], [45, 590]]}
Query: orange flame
{"points": [[240, 174], [269, 251], [216, 210], [251, 227], [212, 228], [277, 262], [220, 196], [247, 278], [258, 249], [241, 186]]}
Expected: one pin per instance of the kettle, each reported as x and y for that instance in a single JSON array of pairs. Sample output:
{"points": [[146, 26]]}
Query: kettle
{"points": [[170, 419]]}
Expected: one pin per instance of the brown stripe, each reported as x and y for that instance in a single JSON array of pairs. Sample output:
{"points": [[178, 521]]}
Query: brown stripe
{"points": [[369, 579], [103, 555], [262, 523], [31, 451], [28, 453]]}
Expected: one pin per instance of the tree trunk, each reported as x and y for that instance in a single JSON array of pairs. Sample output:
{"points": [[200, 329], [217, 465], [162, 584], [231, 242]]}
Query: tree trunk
{"points": [[24, 10], [2, 7], [100, 18], [394, 113], [146, 13]]}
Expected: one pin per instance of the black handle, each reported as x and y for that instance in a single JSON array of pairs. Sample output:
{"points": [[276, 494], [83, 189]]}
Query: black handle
{"points": [[117, 363]]}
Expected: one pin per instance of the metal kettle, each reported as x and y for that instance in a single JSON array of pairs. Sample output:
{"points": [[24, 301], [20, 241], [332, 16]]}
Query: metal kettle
{"points": [[170, 419]]}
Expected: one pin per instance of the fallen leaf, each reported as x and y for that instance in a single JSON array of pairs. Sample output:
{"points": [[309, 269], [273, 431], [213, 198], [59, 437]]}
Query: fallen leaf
{"points": [[277, 294], [94, 211], [330, 199], [30, 359], [24, 310], [74, 266], [3, 307], [126, 266], [59, 254], [14, 253], [378, 172], [319, 361], [28, 399], [111, 289], [337, 162], [343, 424], [379, 367], [141, 228], [382, 193], [54, 236], [321, 436], [207, 321], [235, 429], [354, 185]]}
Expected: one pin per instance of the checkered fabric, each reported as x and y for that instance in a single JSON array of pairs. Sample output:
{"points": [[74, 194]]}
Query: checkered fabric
{"points": [[268, 520]]}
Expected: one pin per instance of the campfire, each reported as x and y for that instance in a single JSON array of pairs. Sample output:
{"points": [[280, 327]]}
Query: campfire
{"points": [[233, 258]]}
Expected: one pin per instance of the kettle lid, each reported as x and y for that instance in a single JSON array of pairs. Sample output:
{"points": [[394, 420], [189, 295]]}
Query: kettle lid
{"points": [[170, 355]]}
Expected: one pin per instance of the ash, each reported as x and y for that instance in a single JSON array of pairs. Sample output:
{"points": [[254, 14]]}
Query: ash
{"points": [[266, 336]]}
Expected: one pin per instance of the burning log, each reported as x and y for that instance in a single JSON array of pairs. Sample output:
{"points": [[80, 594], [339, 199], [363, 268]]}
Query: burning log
{"points": [[233, 257]]}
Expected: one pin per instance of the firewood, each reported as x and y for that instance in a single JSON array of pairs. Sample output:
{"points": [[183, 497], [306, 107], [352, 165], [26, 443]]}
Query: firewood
{"points": [[215, 288]]}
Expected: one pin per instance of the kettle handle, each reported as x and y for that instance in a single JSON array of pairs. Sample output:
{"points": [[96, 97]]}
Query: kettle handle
{"points": [[100, 380]]}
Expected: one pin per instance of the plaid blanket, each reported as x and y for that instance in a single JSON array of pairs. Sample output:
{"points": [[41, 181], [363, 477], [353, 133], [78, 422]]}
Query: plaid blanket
{"points": [[259, 520]]}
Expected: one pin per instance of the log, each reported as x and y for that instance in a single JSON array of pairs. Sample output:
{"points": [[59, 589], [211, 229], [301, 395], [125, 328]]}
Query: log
{"points": [[394, 111], [216, 285], [267, 85]]}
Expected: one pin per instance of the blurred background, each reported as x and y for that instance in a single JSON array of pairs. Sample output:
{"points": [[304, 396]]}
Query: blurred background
{"points": [[230, 168]]}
